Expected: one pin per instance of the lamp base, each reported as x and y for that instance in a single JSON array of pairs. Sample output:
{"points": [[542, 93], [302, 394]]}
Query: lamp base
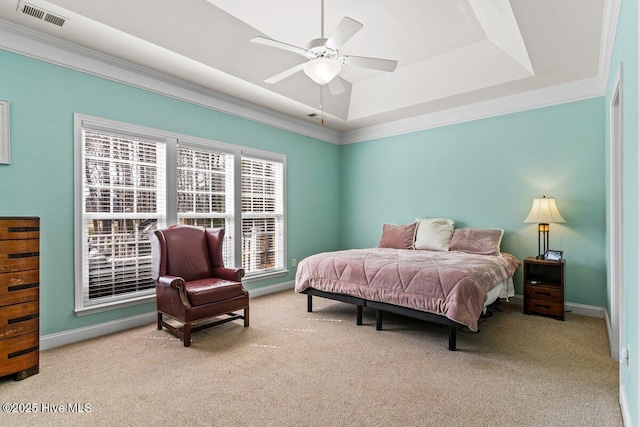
{"points": [[540, 257]]}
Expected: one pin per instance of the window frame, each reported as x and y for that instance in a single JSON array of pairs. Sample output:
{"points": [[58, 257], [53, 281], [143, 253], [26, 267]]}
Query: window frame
{"points": [[171, 141], [268, 157], [212, 147]]}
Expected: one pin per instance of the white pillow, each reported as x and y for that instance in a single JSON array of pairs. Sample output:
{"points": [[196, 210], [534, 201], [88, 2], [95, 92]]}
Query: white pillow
{"points": [[434, 234]]}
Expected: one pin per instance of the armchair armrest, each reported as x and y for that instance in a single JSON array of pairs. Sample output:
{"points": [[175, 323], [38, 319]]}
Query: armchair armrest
{"points": [[177, 284], [173, 281], [231, 274]]}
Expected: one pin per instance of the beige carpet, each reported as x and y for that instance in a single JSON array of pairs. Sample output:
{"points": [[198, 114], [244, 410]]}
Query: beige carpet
{"points": [[293, 368]]}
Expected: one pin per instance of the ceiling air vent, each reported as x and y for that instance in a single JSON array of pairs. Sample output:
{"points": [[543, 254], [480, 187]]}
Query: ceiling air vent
{"points": [[32, 11], [39, 13], [54, 19]]}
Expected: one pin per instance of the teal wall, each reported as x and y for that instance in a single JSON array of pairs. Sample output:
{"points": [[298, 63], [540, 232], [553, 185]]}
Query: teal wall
{"points": [[483, 173], [625, 54], [40, 179], [486, 173]]}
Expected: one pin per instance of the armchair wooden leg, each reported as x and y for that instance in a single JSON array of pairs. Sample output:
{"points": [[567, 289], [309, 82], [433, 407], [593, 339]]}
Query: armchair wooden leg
{"points": [[246, 316], [159, 321], [187, 334]]}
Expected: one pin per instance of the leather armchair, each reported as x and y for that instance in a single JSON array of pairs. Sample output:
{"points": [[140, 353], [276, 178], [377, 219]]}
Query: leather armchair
{"points": [[192, 283]]}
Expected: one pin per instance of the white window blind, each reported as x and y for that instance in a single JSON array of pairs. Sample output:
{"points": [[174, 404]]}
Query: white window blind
{"points": [[130, 180], [205, 192], [123, 197], [262, 215]]}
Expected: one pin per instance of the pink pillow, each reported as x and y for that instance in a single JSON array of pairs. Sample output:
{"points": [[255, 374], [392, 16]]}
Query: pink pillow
{"points": [[398, 236], [481, 241]]}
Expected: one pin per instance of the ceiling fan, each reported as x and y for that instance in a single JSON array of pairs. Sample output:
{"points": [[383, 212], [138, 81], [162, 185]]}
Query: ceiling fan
{"points": [[325, 61]]}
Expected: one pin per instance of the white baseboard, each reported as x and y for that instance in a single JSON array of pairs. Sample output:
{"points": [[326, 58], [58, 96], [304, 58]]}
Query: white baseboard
{"points": [[613, 350], [572, 307], [93, 331], [81, 334], [585, 310], [266, 290], [624, 408]]}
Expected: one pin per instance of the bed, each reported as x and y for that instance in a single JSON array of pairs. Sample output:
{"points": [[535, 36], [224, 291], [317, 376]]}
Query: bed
{"points": [[450, 287]]}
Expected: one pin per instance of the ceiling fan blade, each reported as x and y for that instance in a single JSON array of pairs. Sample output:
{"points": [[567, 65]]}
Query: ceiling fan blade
{"points": [[280, 45], [346, 29], [283, 75], [335, 86], [372, 63]]}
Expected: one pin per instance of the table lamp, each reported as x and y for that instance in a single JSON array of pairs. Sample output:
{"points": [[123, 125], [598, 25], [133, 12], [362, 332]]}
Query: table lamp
{"points": [[543, 212]]}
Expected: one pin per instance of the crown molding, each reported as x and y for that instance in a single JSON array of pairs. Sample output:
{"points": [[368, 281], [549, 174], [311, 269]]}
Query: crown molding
{"points": [[608, 37], [44, 47], [31, 43], [569, 92]]}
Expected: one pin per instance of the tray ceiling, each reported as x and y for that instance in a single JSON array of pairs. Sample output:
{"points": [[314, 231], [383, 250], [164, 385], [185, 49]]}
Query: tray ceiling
{"points": [[450, 53]]}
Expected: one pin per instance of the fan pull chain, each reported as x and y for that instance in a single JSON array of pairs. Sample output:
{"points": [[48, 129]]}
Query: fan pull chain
{"points": [[322, 104]]}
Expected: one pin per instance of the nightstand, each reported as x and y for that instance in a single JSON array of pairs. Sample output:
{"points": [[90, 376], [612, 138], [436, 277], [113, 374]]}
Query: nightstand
{"points": [[544, 287]]}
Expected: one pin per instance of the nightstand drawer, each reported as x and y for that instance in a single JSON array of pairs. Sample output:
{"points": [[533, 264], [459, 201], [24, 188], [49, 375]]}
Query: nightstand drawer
{"points": [[550, 293], [541, 306]]}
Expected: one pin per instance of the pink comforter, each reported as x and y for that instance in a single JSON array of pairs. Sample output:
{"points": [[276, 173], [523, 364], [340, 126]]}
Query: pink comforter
{"points": [[451, 284]]}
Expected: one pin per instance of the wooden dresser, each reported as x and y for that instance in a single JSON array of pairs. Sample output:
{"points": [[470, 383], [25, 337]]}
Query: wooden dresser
{"points": [[19, 296]]}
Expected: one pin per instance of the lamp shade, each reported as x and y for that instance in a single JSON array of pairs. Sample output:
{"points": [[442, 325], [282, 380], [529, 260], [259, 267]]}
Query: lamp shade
{"points": [[322, 70], [544, 211]]}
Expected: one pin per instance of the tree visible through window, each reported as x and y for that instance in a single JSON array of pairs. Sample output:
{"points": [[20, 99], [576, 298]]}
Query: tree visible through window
{"points": [[262, 215], [125, 188], [123, 193], [205, 192]]}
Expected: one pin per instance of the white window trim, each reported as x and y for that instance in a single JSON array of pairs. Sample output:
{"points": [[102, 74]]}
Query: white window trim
{"points": [[171, 140], [206, 145], [81, 123], [275, 157], [616, 200]]}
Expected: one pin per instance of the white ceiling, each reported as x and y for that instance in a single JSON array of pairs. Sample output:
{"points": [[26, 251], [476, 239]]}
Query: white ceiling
{"points": [[450, 53]]}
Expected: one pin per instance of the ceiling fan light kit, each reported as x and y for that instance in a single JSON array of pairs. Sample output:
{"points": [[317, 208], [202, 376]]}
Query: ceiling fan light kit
{"points": [[322, 70]]}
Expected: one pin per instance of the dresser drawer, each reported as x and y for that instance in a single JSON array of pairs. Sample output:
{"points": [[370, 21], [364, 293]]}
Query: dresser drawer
{"points": [[544, 292], [542, 306], [18, 319], [19, 228], [19, 354], [19, 287], [19, 255]]}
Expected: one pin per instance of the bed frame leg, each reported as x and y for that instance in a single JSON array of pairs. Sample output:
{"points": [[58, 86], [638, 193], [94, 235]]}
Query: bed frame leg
{"points": [[378, 320], [358, 315], [452, 338], [309, 303]]}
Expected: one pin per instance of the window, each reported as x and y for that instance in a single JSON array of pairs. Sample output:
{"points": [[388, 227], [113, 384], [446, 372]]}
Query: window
{"points": [[205, 192], [131, 180], [122, 198], [262, 215]]}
